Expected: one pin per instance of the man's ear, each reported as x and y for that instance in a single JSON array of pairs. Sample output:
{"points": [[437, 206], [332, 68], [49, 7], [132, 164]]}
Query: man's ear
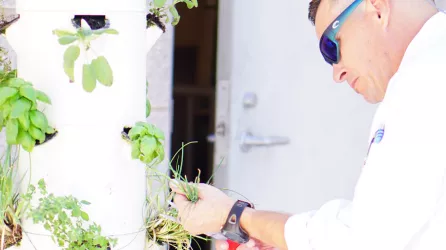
{"points": [[381, 9]]}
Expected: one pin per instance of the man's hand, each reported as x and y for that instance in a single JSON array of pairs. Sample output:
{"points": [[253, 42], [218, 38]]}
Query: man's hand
{"points": [[252, 244], [208, 215]]}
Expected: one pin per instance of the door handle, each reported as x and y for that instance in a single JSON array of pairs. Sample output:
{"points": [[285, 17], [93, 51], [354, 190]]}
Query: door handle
{"points": [[249, 141]]}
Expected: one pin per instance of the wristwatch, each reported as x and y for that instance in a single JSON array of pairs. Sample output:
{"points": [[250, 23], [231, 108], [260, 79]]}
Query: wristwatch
{"points": [[232, 229]]}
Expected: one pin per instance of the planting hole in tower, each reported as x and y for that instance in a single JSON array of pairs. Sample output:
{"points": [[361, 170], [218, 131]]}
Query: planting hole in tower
{"points": [[95, 21], [47, 138], [154, 20]]}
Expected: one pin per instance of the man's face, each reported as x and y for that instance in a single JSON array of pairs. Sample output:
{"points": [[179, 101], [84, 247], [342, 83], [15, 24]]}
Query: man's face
{"points": [[364, 62]]}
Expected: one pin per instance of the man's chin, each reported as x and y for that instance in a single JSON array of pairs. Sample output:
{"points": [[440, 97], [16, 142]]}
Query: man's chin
{"points": [[371, 100]]}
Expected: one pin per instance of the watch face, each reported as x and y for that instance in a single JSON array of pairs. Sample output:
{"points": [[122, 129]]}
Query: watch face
{"points": [[240, 202]]}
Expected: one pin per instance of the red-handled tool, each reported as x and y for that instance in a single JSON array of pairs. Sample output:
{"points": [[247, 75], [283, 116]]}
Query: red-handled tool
{"points": [[233, 245]]}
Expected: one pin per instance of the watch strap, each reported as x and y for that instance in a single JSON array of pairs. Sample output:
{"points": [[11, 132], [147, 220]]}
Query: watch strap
{"points": [[232, 229]]}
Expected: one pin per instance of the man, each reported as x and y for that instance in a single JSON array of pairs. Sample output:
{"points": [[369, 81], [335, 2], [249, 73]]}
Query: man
{"points": [[392, 52]]}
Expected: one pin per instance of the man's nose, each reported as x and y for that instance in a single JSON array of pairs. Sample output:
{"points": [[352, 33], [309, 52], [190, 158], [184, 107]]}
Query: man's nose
{"points": [[339, 73]]}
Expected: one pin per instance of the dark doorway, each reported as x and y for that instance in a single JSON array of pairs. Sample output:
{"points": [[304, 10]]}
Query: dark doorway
{"points": [[194, 90]]}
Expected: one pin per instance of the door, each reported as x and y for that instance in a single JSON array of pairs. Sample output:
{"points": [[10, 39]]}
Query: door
{"points": [[272, 81]]}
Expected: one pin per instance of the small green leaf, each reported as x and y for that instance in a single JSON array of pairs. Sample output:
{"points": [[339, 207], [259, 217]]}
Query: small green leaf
{"points": [[50, 130], [98, 32], [175, 15], [105, 31], [71, 54], [16, 82], [142, 124], [47, 226], [37, 134], [189, 4], [6, 110], [42, 97], [135, 132], [38, 119], [102, 71], [135, 150], [160, 152], [24, 121], [68, 68], [42, 185], [159, 3], [148, 145], [85, 202], [63, 217], [19, 107], [12, 130], [29, 93], [60, 33], [26, 140], [150, 128], [61, 242], [147, 158], [6, 93], [148, 107], [88, 78], [195, 2], [76, 212], [85, 216], [14, 98], [111, 31], [158, 133], [64, 40]]}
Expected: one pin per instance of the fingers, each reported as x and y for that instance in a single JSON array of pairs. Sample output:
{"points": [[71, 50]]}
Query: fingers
{"points": [[221, 245], [173, 184], [180, 201], [250, 245]]}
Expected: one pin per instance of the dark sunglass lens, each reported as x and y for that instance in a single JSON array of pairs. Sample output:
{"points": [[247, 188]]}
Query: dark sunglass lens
{"points": [[329, 49]]}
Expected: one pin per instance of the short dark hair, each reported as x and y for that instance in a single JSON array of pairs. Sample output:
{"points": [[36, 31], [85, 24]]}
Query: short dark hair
{"points": [[312, 10]]}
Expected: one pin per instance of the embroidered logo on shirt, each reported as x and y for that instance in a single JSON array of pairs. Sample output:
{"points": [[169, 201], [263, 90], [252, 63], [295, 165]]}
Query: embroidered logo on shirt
{"points": [[379, 134]]}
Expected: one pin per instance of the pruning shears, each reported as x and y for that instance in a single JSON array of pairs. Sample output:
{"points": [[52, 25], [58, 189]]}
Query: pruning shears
{"points": [[232, 244]]}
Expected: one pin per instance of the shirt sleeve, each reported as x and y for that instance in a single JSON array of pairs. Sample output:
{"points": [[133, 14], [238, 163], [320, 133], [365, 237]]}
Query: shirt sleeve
{"points": [[321, 229], [400, 190]]}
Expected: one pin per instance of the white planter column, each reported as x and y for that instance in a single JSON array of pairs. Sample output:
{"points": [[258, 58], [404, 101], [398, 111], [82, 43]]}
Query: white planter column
{"points": [[87, 158]]}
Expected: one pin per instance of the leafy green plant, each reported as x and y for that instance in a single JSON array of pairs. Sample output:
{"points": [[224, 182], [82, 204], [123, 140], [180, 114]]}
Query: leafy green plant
{"points": [[5, 63], [96, 70], [162, 224], [147, 143], [64, 218], [162, 228], [162, 12], [190, 189], [12, 206], [25, 124]]}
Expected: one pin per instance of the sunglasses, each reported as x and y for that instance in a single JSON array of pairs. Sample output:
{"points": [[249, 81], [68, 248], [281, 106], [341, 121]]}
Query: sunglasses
{"points": [[328, 44]]}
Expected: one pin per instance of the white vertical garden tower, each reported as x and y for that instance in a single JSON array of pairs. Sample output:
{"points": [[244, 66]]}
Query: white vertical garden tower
{"points": [[87, 158]]}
